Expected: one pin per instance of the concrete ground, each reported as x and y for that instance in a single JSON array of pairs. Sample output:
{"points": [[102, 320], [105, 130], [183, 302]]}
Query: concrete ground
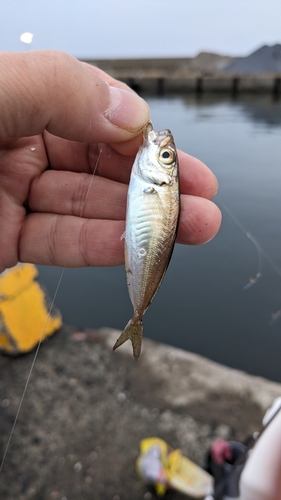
{"points": [[86, 410]]}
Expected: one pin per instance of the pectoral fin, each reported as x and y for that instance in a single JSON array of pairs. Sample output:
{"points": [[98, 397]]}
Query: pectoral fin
{"points": [[134, 333]]}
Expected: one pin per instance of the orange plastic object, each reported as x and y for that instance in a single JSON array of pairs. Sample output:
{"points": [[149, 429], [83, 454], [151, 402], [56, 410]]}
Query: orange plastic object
{"points": [[24, 315]]}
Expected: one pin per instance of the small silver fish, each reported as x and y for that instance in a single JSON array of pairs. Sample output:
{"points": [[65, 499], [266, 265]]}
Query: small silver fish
{"points": [[153, 206]]}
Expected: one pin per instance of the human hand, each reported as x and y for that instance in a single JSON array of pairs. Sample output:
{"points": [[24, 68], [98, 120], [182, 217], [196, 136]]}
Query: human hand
{"points": [[57, 128]]}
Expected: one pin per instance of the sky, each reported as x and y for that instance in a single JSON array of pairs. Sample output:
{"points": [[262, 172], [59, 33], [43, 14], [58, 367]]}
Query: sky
{"points": [[100, 29]]}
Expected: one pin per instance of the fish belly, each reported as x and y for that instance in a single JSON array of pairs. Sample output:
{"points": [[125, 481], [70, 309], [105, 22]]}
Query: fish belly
{"points": [[149, 238]]}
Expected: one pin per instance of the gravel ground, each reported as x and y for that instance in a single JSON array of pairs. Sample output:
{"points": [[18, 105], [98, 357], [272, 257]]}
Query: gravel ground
{"points": [[86, 410]]}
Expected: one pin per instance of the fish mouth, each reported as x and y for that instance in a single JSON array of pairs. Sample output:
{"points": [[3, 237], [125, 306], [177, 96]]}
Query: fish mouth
{"points": [[149, 134], [149, 129], [161, 138]]}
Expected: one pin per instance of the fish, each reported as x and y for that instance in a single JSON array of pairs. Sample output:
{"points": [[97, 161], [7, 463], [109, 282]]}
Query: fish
{"points": [[152, 216]]}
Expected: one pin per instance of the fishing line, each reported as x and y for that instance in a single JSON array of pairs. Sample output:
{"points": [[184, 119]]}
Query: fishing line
{"points": [[253, 281], [261, 254], [46, 322], [31, 369]]}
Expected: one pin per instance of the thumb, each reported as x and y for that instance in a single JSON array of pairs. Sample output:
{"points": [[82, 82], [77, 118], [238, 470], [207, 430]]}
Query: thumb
{"points": [[54, 91]]}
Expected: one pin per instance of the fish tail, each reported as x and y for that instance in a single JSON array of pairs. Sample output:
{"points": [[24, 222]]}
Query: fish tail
{"points": [[132, 331]]}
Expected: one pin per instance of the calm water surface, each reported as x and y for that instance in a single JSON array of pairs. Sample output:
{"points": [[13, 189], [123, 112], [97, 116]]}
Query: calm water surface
{"points": [[202, 305]]}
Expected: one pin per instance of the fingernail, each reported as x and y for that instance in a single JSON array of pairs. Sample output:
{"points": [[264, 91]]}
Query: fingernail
{"points": [[127, 110]]}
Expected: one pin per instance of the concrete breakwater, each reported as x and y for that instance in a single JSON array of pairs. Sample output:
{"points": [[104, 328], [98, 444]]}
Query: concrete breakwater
{"points": [[224, 83], [87, 408], [204, 73]]}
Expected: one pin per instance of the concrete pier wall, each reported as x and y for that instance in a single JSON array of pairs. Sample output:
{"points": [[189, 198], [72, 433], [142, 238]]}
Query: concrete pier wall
{"points": [[200, 74], [164, 85]]}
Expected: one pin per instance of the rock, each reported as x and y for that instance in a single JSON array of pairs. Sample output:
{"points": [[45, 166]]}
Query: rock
{"points": [[86, 410], [267, 59]]}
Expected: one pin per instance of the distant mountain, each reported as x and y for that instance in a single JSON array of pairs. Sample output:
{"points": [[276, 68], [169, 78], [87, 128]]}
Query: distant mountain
{"points": [[208, 62], [264, 60]]}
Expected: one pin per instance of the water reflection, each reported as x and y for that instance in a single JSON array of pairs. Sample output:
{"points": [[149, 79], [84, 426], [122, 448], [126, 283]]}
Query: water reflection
{"points": [[266, 110], [262, 109]]}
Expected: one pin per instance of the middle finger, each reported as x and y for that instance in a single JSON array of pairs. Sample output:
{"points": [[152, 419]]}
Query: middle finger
{"points": [[195, 177], [78, 194]]}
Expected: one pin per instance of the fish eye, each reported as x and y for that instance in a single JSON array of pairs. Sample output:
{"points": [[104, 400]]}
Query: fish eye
{"points": [[167, 156]]}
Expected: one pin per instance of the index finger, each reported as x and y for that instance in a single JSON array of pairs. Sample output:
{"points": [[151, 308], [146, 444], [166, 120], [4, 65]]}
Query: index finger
{"points": [[195, 177]]}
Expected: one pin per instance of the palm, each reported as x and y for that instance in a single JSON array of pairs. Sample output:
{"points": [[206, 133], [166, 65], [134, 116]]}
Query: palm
{"points": [[55, 211]]}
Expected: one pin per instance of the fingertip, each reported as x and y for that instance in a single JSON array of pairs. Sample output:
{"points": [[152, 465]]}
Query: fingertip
{"points": [[200, 221], [196, 178], [127, 110]]}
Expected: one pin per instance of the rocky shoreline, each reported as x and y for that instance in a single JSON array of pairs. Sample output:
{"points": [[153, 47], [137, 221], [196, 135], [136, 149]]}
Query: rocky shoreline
{"points": [[86, 410]]}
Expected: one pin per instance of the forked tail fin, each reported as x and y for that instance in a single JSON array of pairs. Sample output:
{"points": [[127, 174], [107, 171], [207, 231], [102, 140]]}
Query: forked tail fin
{"points": [[134, 333]]}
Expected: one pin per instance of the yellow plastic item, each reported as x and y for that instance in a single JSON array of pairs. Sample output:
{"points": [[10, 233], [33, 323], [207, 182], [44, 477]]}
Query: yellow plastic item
{"points": [[145, 445], [179, 472], [23, 311]]}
